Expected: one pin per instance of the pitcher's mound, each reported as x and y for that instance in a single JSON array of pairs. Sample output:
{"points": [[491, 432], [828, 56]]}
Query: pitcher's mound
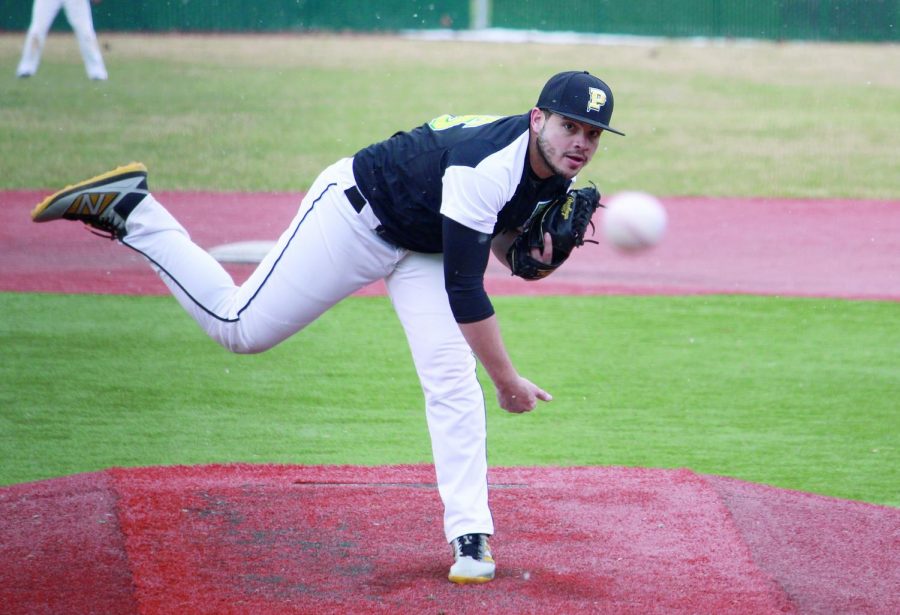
{"points": [[298, 539]]}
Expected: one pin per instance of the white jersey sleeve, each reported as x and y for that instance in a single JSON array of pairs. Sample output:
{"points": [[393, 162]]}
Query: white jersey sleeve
{"points": [[473, 196]]}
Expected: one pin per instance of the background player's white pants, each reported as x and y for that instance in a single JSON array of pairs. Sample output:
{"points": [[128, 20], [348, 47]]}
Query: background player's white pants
{"points": [[328, 252], [78, 13]]}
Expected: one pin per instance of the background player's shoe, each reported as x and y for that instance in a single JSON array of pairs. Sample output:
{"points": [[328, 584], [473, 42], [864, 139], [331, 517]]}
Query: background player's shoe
{"points": [[474, 563], [102, 202]]}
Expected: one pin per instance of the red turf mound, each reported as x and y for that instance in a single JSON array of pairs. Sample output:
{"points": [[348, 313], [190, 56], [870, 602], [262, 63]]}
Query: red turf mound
{"points": [[288, 539]]}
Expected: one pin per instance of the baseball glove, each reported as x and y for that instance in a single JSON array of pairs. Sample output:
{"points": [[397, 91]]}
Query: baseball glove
{"points": [[566, 220]]}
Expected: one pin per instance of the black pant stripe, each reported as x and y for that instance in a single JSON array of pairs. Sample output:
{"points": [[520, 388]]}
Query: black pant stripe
{"points": [[263, 283]]}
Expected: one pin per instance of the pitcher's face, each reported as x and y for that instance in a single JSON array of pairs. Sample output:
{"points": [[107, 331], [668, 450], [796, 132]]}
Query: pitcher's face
{"points": [[563, 146]]}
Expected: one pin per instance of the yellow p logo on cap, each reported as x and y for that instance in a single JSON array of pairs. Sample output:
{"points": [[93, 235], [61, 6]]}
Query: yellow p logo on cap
{"points": [[596, 99]]}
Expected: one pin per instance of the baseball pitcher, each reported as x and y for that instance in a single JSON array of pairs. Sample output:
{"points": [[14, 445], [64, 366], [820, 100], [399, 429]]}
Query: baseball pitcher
{"points": [[422, 210]]}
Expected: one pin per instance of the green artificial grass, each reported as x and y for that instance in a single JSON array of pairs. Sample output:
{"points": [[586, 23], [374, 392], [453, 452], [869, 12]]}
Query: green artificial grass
{"points": [[797, 393]]}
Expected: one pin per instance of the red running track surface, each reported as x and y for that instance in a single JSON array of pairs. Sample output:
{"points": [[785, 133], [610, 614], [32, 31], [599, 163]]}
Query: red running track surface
{"points": [[826, 248]]}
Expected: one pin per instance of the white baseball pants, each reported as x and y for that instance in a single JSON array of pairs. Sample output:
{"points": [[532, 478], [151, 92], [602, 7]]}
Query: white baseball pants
{"points": [[78, 13], [328, 252]]}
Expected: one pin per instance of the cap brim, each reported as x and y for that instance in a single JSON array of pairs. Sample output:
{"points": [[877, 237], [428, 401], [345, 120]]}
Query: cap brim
{"points": [[590, 121]]}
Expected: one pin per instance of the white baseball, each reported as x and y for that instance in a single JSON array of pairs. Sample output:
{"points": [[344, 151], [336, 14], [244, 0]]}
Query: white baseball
{"points": [[634, 221]]}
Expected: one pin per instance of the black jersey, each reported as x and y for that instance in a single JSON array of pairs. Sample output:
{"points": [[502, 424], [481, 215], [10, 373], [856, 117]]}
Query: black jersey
{"points": [[471, 168]]}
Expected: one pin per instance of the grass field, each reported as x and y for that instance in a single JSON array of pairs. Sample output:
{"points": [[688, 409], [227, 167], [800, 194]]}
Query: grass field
{"points": [[724, 385], [794, 393], [268, 113]]}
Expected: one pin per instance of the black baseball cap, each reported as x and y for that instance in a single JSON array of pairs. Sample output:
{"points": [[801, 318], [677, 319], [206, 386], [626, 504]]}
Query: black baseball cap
{"points": [[581, 96]]}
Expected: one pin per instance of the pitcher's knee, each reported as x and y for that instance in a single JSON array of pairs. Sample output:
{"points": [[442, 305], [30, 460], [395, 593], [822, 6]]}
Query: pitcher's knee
{"points": [[243, 346], [239, 343], [244, 335], [238, 348], [461, 390]]}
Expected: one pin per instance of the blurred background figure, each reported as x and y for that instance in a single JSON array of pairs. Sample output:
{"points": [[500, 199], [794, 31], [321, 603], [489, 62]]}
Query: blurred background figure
{"points": [[78, 13]]}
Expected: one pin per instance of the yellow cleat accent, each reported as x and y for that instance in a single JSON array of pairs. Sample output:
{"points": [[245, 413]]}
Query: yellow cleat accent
{"points": [[134, 167]]}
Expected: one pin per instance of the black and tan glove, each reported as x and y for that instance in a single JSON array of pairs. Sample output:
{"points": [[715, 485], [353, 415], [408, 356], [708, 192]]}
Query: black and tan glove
{"points": [[566, 220]]}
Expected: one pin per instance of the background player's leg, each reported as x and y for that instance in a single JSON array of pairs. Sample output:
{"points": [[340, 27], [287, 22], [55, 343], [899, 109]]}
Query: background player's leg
{"points": [[325, 254], [42, 15], [78, 12], [454, 400]]}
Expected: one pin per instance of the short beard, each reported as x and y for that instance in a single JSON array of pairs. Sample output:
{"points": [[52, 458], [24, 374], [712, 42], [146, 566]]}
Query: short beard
{"points": [[542, 151]]}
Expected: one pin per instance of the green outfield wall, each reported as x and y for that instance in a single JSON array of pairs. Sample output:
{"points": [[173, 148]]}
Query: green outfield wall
{"points": [[836, 20], [821, 20]]}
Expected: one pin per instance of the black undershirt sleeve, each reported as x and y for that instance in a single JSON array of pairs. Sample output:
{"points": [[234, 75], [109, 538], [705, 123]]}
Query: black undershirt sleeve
{"points": [[466, 253]]}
